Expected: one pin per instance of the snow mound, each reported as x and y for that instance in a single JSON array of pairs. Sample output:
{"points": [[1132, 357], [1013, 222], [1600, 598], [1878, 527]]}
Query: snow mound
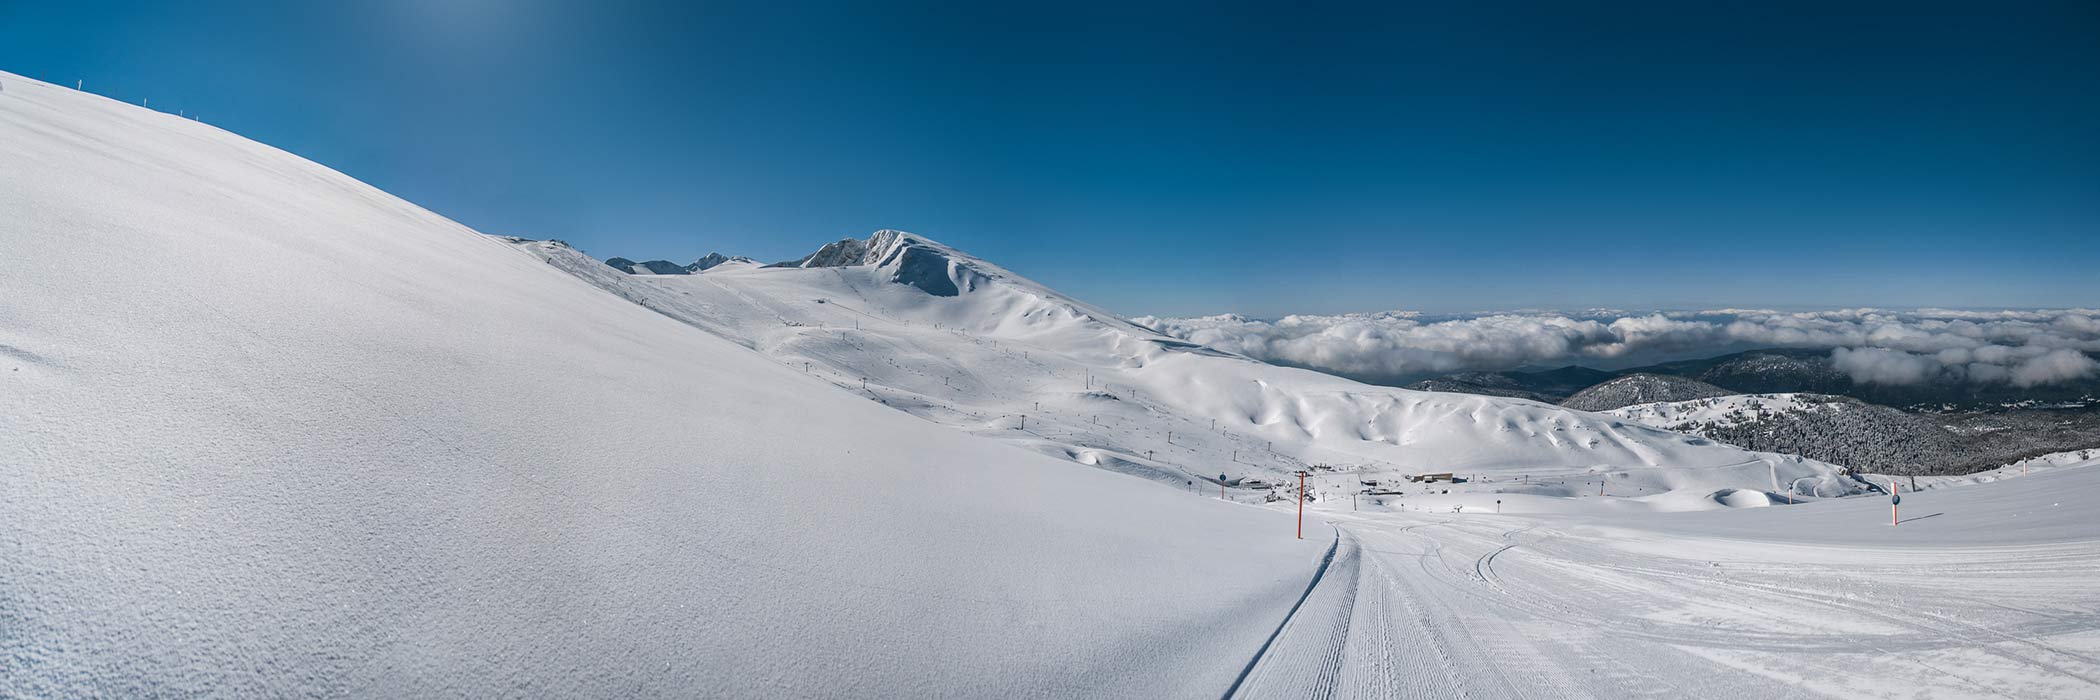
{"points": [[1741, 498]]}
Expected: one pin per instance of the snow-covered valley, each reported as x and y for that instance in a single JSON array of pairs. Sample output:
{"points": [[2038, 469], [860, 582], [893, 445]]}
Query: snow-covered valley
{"points": [[294, 436]]}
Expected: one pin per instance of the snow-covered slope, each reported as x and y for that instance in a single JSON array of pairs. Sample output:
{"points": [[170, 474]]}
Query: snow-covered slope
{"points": [[295, 436], [935, 332]]}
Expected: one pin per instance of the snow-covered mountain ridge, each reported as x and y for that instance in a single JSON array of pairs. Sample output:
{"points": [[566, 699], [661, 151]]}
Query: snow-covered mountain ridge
{"points": [[931, 330], [665, 267], [711, 261]]}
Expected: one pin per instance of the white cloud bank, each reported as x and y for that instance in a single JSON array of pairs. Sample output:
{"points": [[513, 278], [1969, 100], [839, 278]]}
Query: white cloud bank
{"points": [[2022, 348]]}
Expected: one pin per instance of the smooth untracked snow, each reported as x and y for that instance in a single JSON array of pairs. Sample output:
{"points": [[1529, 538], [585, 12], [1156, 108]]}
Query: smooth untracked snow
{"points": [[290, 435]]}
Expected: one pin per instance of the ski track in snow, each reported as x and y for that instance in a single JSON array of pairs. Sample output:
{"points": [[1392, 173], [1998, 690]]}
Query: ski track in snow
{"points": [[1486, 606]]}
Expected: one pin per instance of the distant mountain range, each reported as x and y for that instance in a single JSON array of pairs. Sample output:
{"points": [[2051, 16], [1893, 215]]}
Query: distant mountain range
{"points": [[930, 330], [666, 267], [1790, 401]]}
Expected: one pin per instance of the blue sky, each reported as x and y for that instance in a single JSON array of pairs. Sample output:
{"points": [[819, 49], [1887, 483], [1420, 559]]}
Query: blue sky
{"points": [[1197, 158]]}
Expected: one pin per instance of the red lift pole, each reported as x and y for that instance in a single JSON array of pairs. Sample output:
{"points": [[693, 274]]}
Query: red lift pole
{"points": [[1300, 505]]}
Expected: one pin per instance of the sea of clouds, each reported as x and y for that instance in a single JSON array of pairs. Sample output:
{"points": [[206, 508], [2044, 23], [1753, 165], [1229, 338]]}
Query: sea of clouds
{"points": [[2023, 348]]}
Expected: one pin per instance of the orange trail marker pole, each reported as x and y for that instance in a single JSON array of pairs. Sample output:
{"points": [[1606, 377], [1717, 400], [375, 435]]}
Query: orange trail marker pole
{"points": [[1895, 502]]}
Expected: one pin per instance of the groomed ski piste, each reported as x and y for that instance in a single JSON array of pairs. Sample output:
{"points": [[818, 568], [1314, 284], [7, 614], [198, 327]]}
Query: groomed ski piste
{"points": [[268, 431]]}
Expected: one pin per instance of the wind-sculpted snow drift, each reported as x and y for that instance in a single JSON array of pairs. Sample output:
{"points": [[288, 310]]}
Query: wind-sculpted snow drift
{"points": [[928, 329], [297, 437]]}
